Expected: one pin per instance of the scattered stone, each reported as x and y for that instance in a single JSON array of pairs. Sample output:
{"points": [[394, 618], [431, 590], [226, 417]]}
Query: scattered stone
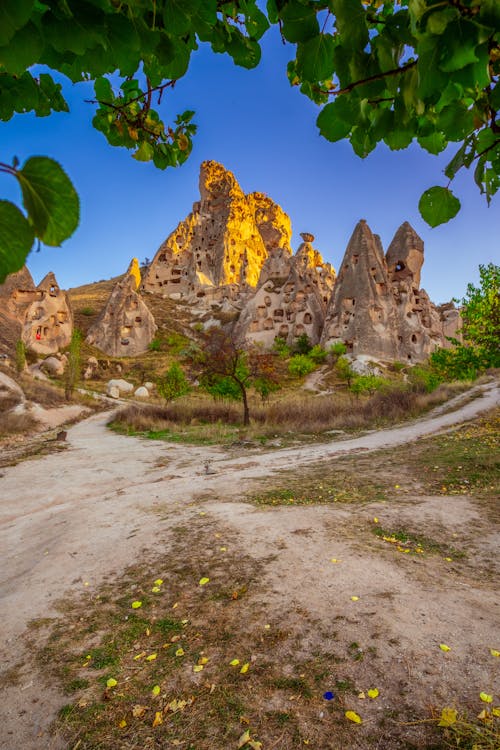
{"points": [[113, 391], [141, 392], [123, 385], [52, 366]]}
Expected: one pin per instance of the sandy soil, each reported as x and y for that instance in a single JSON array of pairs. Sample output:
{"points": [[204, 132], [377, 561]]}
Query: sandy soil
{"points": [[69, 519]]}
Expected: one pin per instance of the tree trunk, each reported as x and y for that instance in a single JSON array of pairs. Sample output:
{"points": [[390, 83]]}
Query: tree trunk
{"points": [[246, 411]]}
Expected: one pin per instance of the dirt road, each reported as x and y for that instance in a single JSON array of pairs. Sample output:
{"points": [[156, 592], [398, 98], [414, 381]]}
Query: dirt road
{"points": [[70, 518]]}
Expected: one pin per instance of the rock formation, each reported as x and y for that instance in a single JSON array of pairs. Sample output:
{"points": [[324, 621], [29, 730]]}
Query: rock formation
{"points": [[291, 297], [38, 315], [48, 323], [125, 326], [221, 243], [377, 308]]}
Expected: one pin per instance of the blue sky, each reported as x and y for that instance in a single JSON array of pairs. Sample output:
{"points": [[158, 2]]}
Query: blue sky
{"points": [[264, 131]]}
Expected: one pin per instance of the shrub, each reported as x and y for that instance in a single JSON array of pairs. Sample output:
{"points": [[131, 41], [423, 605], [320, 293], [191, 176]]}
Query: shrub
{"points": [[366, 384], [318, 354], [344, 370], [302, 344], [87, 311], [174, 383], [154, 345], [281, 347], [300, 364], [337, 349], [459, 363], [424, 379]]}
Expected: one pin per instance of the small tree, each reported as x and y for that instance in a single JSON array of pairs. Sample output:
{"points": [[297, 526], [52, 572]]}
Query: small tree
{"points": [[222, 361], [344, 370], [302, 344], [72, 370], [300, 365], [20, 356], [480, 310], [173, 384]]}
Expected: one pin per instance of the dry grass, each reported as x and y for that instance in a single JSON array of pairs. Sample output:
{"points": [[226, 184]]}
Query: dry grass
{"points": [[16, 424], [42, 392], [289, 415]]}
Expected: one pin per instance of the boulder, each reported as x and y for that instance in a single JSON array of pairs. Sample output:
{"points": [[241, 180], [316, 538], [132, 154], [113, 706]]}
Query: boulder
{"points": [[141, 392], [52, 366], [123, 385], [149, 385], [113, 391]]}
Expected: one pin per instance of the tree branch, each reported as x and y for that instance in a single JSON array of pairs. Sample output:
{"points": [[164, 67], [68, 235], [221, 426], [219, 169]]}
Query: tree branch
{"points": [[376, 77]]}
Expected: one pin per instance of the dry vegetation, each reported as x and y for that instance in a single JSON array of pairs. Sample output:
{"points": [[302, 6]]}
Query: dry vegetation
{"points": [[289, 415]]}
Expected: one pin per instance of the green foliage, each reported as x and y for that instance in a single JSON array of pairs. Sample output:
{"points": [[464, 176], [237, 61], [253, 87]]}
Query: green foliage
{"points": [[459, 363], [424, 378], [52, 211], [173, 384], [337, 350], [300, 365], [393, 72], [154, 345], [20, 356], [281, 347], [88, 311], [222, 387], [72, 371], [366, 384], [265, 386], [480, 311], [302, 344], [344, 370], [318, 354]]}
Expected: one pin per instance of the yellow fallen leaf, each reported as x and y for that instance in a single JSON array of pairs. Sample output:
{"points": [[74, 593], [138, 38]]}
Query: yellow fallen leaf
{"points": [[267, 627], [148, 632], [373, 693], [158, 719], [204, 581], [254, 744], [184, 622], [151, 657], [223, 549], [245, 668], [156, 690], [334, 560], [197, 667], [354, 598], [448, 717], [234, 662], [156, 589], [353, 716], [179, 652], [396, 486], [486, 698], [448, 559], [444, 647], [493, 652], [484, 715], [136, 605], [375, 520], [203, 660], [496, 711], [138, 711], [122, 724], [361, 696], [158, 582], [111, 682], [174, 606], [244, 738], [139, 656]]}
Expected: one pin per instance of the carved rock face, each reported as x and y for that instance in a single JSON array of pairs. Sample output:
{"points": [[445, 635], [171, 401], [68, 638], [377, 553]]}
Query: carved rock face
{"points": [[125, 327], [224, 240], [405, 255], [48, 320], [290, 300]]}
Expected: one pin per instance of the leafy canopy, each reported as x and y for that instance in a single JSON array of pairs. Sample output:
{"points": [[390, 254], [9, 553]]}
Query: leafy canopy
{"points": [[380, 71]]}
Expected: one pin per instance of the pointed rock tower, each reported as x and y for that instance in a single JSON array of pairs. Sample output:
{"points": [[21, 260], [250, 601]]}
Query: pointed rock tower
{"points": [[48, 321], [218, 244], [125, 327], [361, 312]]}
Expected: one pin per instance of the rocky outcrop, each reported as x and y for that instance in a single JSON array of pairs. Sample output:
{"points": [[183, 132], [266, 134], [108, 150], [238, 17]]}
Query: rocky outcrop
{"points": [[125, 327], [377, 307], [291, 297], [48, 322], [362, 312], [222, 243]]}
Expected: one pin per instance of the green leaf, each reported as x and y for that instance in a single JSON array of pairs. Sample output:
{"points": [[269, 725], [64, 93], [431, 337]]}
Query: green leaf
{"points": [[315, 58], [489, 13], [13, 15], [176, 17], [438, 205], [16, 239], [103, 90], [144, 152], [433, 143], [438, 20], [299, 22], [351, 24], [24, 50], [336, 119], [50, 199], [458, 45]]}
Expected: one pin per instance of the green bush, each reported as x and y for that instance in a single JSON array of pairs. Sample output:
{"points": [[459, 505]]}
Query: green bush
{"points": [[424, 378], [87, 311], [174, 383], [366, 384], [318, 354], [337, 350], [281, 347], [302, 344], [300, 364], [459, 363], [154, 345], [344, 370]]}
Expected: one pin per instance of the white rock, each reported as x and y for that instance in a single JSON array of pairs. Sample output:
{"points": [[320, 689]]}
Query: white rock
{"points": [[149, 385], [141, 392], [113, 391], [52, 366], [122, 385]]}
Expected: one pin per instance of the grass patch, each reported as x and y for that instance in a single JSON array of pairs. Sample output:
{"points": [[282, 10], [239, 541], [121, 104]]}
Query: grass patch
{"points": [[407, 542], [334, 487]]}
